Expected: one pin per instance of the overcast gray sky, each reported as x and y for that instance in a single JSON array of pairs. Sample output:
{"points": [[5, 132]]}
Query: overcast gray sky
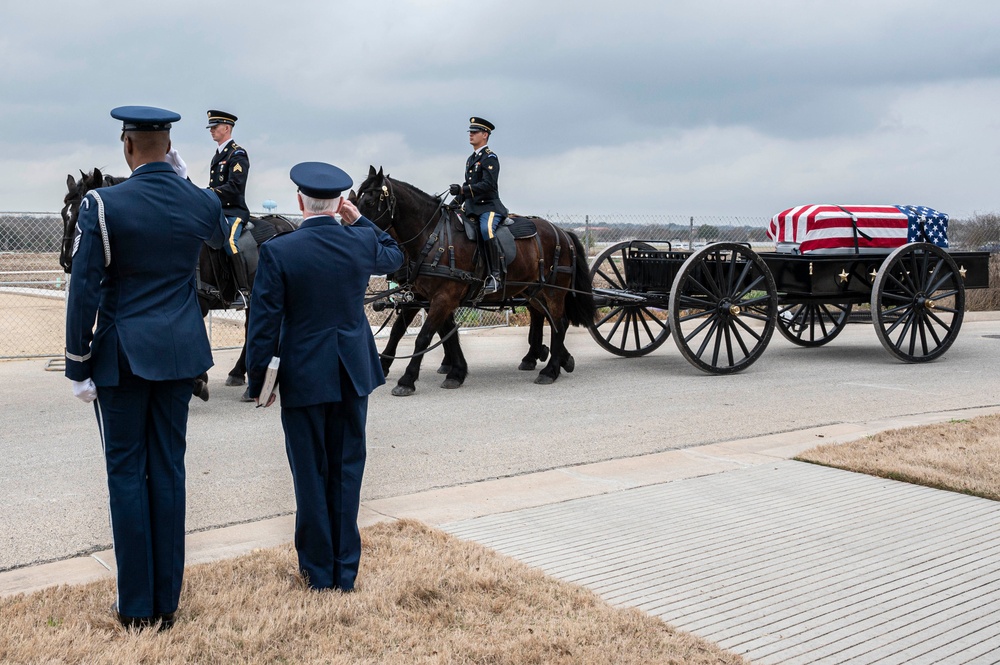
{"points": [[706, 107]]}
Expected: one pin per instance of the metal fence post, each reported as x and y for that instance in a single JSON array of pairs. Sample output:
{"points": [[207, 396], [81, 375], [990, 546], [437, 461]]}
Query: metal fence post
{"points": [[691, 235]]}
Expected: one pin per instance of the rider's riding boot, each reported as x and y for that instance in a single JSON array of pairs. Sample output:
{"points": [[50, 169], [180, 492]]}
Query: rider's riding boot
{"points": [[242, 281], [492, 282]]}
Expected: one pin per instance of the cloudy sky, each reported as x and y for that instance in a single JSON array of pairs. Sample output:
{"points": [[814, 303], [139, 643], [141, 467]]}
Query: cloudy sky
{"points": [[701, 107]]}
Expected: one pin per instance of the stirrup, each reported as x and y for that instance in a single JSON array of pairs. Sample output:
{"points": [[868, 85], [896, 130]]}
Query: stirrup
{"points": [[242, 300], [491, 284]]}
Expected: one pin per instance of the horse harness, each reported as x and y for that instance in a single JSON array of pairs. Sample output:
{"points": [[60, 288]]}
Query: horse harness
{"points": [[443, 231]]}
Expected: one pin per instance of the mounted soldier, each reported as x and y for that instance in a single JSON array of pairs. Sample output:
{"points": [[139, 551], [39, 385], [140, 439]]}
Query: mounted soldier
{"points": [[480, 197], [228, 179]]}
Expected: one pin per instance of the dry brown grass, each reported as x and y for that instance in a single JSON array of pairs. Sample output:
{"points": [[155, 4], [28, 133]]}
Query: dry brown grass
{"points": [[423, 597], [961, 456]]}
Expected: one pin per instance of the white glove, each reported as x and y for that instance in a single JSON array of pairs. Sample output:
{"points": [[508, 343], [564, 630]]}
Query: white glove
{"points": [[85, 391], [180, 168]]}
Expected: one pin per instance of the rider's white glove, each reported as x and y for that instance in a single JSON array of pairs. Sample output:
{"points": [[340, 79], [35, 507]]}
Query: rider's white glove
{"points": [[175, 161], [85, 390]]}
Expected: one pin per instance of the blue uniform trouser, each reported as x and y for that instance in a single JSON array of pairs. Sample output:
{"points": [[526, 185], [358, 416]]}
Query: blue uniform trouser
{"points": [[326, 452], [144, 427], [488, 222], [233, 231]]}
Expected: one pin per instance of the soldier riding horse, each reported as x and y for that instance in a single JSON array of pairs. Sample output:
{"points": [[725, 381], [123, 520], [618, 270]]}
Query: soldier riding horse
{"points": [[216, 284], [546, 270]]}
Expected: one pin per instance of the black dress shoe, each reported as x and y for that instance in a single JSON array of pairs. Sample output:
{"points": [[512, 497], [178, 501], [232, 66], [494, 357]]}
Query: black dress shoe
{"points": [[166, 620], [127, 621]]}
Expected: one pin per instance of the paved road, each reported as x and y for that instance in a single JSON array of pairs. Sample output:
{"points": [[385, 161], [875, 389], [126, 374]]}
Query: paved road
{"points": [[52, 487]]}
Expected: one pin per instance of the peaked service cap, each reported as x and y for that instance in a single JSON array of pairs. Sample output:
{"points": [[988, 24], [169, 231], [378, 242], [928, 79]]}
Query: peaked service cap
{"points": [[320, 180], [220, 118], [144, 118]]}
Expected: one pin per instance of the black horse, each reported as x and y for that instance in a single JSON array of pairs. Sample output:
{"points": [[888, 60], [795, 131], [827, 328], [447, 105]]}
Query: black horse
{"points": [[217, 287], [549, 275]]}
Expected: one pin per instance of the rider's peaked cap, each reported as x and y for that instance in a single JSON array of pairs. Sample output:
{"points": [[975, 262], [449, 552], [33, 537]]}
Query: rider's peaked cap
{"points": [[480, 124], [320, 180], [220, 118], [144, 118]]}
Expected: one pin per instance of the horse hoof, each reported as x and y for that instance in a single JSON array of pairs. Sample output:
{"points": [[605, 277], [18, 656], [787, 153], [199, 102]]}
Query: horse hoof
{"points": [[232, 380], [451, 384], [544, 380], [245, 397], [526, 366], [444, 369], [568, 363], [201, 390], [403, 391], [543, 355]]}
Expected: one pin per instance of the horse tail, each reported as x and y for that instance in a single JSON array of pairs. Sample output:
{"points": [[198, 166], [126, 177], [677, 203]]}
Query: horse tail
{"points": [[580, 301]]}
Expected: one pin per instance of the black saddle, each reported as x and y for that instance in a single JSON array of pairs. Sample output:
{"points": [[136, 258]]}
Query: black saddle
{"points": [[510, 228]]}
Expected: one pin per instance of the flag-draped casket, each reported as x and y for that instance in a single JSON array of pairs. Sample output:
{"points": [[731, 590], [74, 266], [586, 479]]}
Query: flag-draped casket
{"points": [[845, 229]]}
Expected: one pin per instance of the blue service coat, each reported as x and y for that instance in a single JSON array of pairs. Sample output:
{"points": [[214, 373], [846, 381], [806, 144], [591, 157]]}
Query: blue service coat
{"points": [[145, 298], [308, 309]]}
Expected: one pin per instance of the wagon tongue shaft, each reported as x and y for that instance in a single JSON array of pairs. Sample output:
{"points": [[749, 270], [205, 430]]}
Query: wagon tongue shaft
{"points": [[612, 293]]}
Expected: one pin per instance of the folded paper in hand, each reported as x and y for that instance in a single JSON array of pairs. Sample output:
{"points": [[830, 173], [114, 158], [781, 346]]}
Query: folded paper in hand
{"points": [[270, 382]]}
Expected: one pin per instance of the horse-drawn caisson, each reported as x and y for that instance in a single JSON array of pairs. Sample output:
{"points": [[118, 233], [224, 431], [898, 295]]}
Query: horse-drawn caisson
{"points": [[722, 302]]}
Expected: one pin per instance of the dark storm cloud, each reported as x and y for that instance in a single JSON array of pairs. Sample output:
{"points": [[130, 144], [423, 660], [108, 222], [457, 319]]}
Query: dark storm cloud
{"points": [[723, 87]]}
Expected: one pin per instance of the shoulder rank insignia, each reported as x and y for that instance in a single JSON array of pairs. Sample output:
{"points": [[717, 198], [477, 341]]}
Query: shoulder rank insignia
{"points": [[239, 168]]}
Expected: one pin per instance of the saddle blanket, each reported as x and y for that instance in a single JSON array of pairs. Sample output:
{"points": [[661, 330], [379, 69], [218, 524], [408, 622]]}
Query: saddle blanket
{"points": [[844, 229]]}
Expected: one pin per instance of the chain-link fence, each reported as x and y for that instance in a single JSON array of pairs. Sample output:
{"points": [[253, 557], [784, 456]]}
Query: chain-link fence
{"points": [[33, 285]]}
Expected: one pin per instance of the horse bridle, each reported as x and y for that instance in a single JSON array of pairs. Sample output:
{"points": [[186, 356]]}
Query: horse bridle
{"points": [[387, 194]]}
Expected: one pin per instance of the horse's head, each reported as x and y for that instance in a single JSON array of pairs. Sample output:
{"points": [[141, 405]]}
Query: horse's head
{"points": [[376, 199], [76, 190]]}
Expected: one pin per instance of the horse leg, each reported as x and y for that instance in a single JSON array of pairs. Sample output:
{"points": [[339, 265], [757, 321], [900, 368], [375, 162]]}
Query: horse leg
{"points": [[458, 369], [536, 349], [238, 374], [396, 333], [448, 362], [550, 372], [436, 317]]}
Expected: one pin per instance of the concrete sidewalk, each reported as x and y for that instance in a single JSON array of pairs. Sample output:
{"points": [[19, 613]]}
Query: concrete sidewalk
{"points": [[781, 561]]}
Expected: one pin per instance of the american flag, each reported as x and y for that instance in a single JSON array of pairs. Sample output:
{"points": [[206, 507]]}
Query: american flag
{"points": [[831, 228], [926, 225]]}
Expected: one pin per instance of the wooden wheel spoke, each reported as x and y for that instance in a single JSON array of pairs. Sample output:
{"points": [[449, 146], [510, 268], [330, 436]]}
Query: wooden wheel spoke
{"points": [[691, 302], [710, 320], [712, 324], [939, 284], [902, 286], [752, 287], [739, 337], [614, 312], [717, 335], [749, 330], [941, 322], [611, 281], [651, 317]]}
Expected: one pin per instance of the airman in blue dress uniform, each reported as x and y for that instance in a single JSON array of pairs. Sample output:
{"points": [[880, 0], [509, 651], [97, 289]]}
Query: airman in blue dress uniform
{"points": [[307, 308], [228, 179], [480, 196], [134, 262]]}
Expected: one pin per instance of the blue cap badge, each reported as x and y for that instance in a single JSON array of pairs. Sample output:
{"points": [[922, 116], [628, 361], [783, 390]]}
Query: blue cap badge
{"points": [[320, 180], [144, 118]]}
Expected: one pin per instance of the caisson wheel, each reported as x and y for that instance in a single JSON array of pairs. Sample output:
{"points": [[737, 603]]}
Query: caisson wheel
{"points": [[723, 306], [918, 302], [812, 324], [624, 322]]}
